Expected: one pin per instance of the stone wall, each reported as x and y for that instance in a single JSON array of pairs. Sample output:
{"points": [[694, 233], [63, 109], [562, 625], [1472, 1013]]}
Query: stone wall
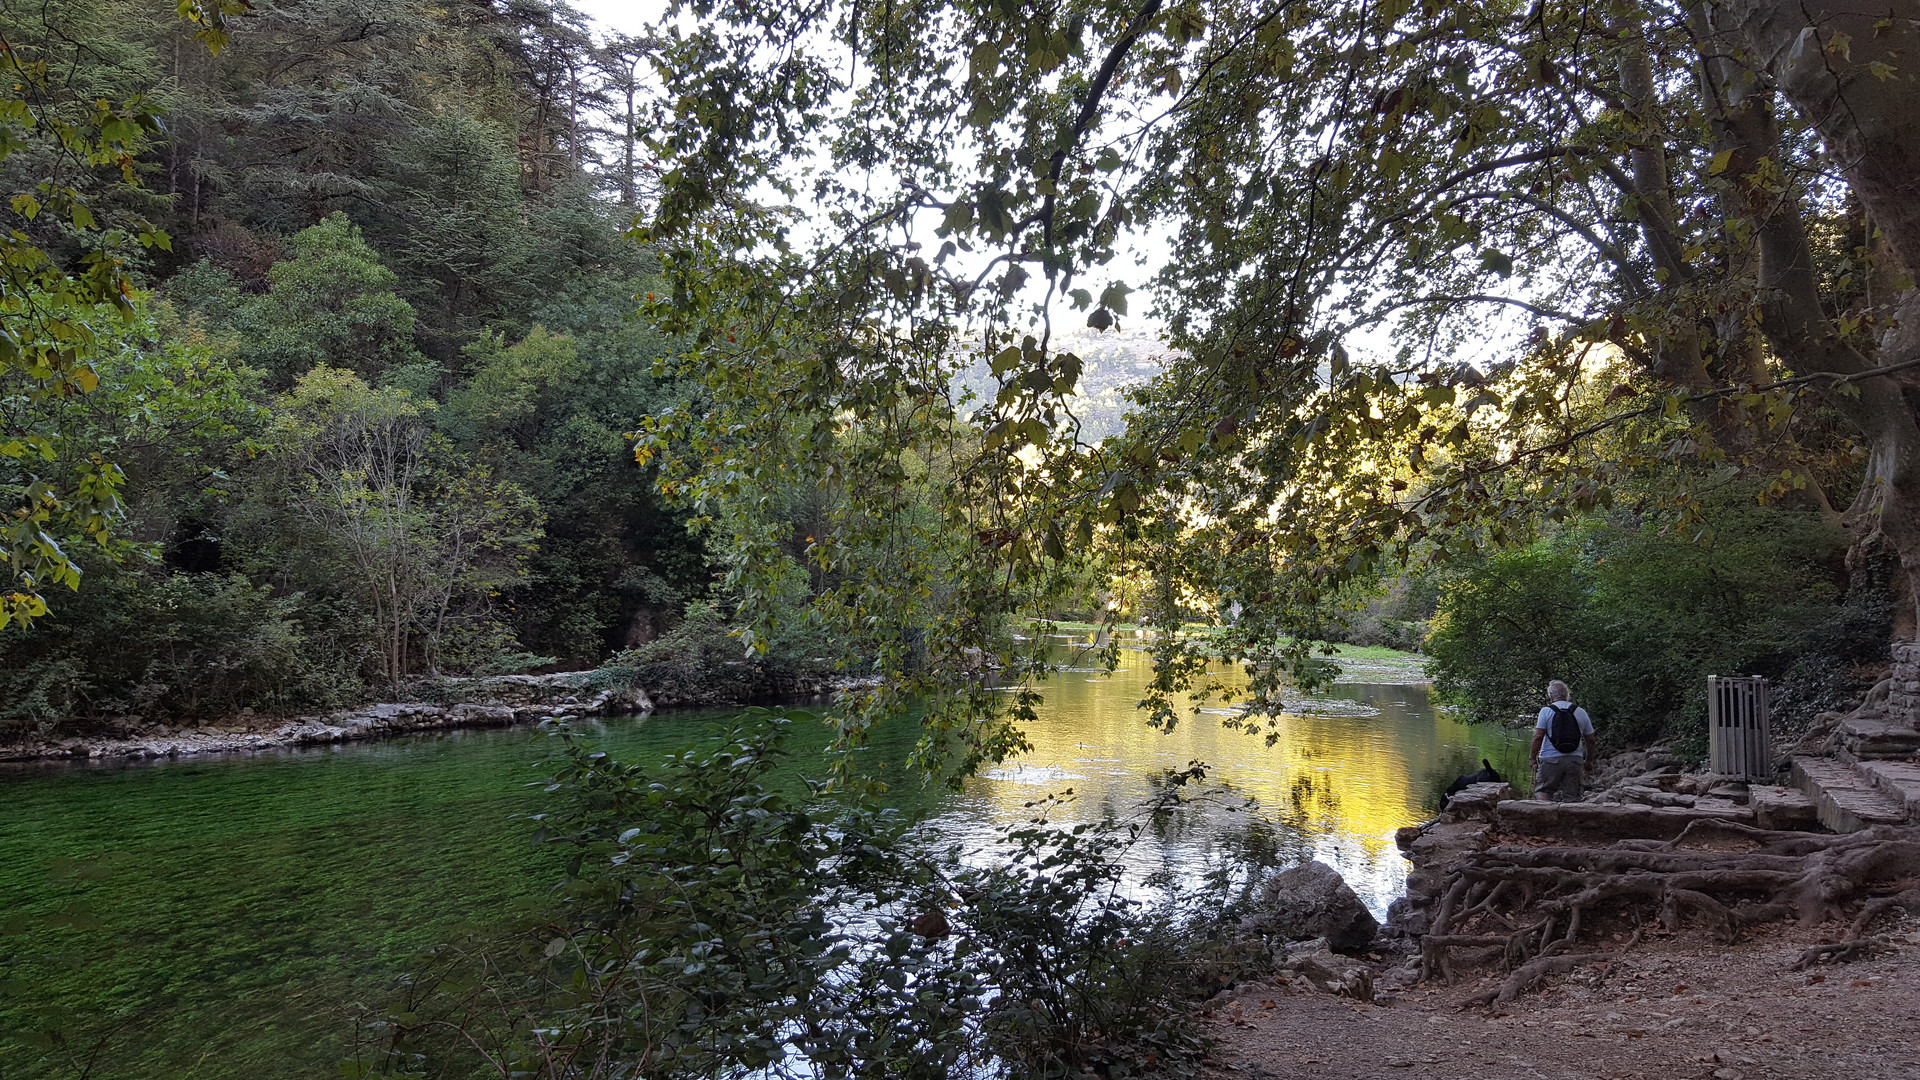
{"points": [[1903, 693]]}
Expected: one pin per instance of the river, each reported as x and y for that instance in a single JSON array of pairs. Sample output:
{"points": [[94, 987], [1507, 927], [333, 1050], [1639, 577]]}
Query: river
{"points": [[221, 917]]}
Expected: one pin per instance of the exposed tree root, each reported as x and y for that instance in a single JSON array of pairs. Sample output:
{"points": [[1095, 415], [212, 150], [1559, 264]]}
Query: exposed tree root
{"points": [[1857, 945], [1531, 972], [1838, 951], [1527, 906]]}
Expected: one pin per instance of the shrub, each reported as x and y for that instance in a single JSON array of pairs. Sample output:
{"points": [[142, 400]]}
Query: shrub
{"points": [[699, 661], [703, 661], [1395, 614], [708, 925], [1636, 619], [172, 646]]}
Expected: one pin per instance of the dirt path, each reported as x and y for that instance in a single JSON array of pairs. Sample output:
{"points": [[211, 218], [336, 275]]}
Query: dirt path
{"points": [[1669, 1009]]}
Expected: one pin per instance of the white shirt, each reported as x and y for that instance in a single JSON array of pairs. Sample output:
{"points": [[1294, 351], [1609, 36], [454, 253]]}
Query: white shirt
{"points": [[1545, 724]]}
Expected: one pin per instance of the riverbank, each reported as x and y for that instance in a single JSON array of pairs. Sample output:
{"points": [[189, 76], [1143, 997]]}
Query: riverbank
{"points": [[485, 702], [490, 702], [1678, 960], [504, 700], [1679, 1006]]}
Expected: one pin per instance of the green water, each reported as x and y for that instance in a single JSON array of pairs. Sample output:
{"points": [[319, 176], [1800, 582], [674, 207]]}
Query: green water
{"points": [[220, 918]]}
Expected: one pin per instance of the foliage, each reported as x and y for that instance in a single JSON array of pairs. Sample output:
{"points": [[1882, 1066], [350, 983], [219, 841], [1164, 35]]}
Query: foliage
{"points": [[1088, 974], [1394, 613], [148, 639], [701, 661], [332, 303], [428, 541], [51, 145], [1635, 618], [185, 648], [1601, 245], [376, 201], [709, 924]]}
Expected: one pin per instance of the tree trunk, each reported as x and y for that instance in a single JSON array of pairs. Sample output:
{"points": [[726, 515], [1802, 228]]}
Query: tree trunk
{"points": [[1853, 71], [626, 171]]}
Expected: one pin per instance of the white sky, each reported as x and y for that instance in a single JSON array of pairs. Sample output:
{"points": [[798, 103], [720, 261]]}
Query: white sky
{"points": [[623, 16]]}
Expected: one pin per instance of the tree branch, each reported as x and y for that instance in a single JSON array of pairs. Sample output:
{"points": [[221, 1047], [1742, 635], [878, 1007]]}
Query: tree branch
{"points": [[1089, 108]]}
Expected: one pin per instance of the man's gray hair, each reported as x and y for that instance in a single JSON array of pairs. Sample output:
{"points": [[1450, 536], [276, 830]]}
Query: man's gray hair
{"points": [[1557, 691]]}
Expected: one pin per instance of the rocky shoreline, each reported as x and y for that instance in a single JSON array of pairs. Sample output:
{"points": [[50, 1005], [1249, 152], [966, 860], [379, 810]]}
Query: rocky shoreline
{"points": [[494, 701]]}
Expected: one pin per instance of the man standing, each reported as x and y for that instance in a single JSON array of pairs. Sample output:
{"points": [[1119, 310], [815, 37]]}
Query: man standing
{"points": [[1562, 747]]}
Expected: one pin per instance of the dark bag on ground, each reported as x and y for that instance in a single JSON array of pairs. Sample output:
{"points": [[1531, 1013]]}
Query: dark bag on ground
{"points": [[1564, 730]]}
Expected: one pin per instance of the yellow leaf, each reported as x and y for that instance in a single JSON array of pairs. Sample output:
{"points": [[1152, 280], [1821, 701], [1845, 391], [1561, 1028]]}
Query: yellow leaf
{"points": [[1719, 163]]}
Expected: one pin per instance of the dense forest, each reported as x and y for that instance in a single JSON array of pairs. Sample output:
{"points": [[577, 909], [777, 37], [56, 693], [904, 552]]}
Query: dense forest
{"points": [[372, 404]]}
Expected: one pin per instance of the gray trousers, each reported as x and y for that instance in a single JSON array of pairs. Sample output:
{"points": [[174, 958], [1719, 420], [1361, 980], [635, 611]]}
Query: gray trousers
{"points": [[1559, 778]]}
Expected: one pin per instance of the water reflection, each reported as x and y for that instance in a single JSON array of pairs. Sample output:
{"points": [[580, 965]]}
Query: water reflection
{"points": [[1348, 769]]}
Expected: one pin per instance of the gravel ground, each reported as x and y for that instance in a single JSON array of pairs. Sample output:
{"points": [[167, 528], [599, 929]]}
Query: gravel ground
{"points": [[1680, 1007]]}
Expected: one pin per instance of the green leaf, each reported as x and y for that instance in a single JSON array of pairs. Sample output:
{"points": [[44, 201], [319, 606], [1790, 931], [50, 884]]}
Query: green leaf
{"points": [[959, 215], [1720, 162], [1114, 298], [984, 60], [1497, 261]]}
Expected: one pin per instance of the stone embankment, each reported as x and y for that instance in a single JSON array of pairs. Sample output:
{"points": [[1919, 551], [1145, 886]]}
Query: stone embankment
{"points": [[1643, 796], [490, 701], [495, 701]]}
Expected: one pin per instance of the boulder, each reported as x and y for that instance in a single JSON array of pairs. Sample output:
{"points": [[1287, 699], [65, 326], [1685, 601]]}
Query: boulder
{"points": [[1313, 901], [1476, 802], [1329, 972], [474, 715], [1404, 919], [1258, 993], [1447, 839]]}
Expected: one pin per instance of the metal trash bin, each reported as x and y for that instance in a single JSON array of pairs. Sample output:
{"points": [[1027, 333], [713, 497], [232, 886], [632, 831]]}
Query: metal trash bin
{"points": [[1739, 728]]}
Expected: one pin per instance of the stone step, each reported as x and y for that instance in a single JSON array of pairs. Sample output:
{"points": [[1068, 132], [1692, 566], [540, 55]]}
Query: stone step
{"points": [[1898, 780], [1845, 800], [1868, 737], [1611, 821], [1782, 808]]}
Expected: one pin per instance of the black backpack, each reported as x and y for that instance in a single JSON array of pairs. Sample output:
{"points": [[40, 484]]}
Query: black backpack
{"points": [[1564, 730]]}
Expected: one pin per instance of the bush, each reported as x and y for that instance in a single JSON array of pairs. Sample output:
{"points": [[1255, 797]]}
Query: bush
{"points": [[703, 661], [171, 646], [698, 662], [1395, 614], [1635, 620], [707, 925]]}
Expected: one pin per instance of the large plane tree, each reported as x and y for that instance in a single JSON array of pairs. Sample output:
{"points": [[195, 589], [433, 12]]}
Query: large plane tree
{"points": [[1434, 270]]}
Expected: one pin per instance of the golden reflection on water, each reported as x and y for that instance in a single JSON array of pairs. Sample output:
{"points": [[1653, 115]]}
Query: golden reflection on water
{"points": [[1333, 787]]}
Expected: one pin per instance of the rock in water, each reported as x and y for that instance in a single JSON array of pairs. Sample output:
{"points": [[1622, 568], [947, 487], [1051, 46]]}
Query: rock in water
{"points": [[1312, 900]]}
